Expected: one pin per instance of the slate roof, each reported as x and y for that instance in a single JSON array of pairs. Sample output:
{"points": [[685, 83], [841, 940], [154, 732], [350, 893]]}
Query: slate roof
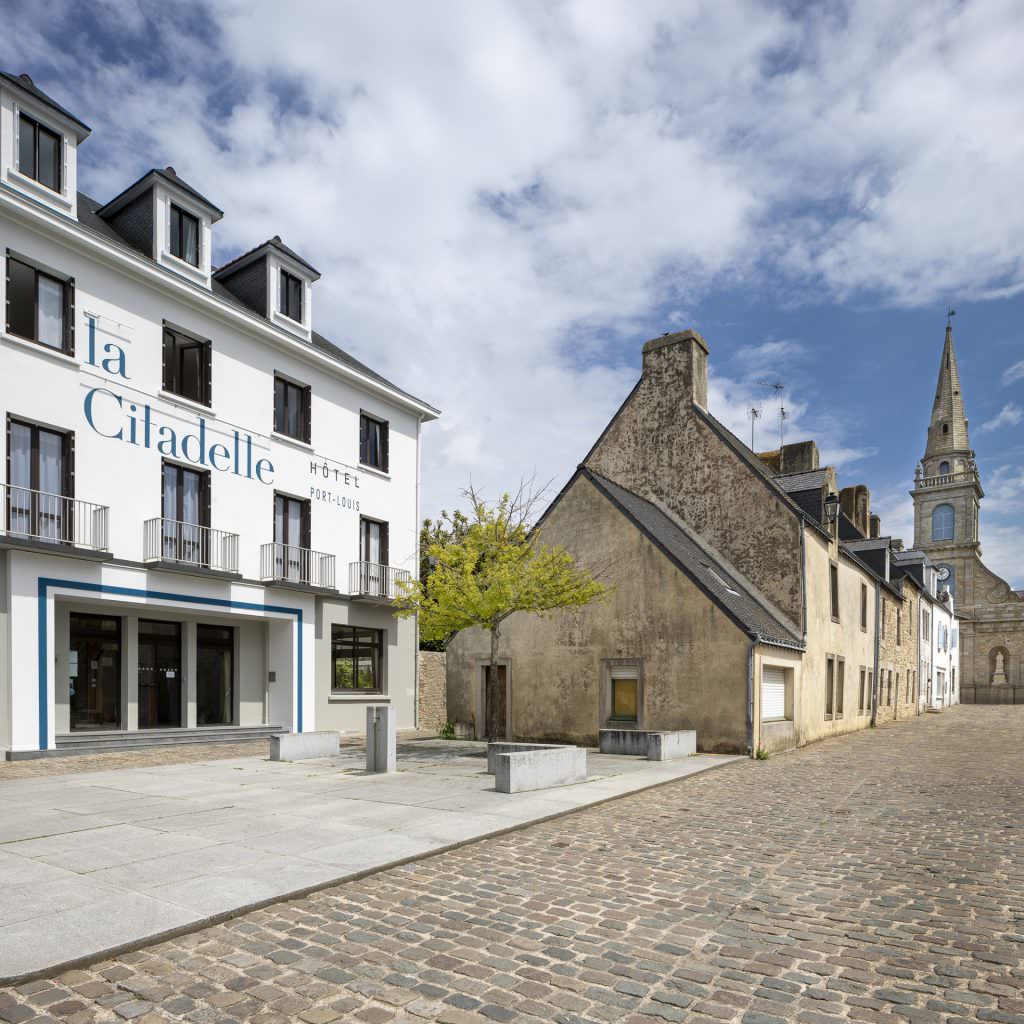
{"points": [[89, 218], [26, 83], [168, 174], [708, 570], [275, 243], [791, 483]]}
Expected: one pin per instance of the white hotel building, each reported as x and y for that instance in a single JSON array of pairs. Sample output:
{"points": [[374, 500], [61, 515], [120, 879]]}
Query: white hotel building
{"points": [[206, 505]]}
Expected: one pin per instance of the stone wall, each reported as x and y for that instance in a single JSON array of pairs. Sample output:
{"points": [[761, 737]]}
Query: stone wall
{"points": [[433, 699]]}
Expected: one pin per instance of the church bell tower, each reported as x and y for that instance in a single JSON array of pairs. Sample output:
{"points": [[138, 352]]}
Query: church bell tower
{"points": [[947, 490]]}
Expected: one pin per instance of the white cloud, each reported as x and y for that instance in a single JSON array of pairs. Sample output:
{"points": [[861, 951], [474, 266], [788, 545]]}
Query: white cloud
{"points": [[1013, 373], [1009, 416], [497, 194]]}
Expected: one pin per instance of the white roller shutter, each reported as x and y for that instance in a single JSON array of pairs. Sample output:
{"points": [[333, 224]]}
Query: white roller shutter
{"points": [[773, 693]]}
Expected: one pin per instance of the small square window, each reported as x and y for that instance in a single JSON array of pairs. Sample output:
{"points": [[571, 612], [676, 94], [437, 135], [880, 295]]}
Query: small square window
{"points": [[291, 409], [184, 236], [625, 703], [187, 366], [290, 299], [373, 442], [39, 306], [40, 153], [356, 653]]}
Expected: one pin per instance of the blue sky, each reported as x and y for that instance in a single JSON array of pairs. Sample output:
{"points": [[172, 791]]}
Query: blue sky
{"points": [[507, 199]]}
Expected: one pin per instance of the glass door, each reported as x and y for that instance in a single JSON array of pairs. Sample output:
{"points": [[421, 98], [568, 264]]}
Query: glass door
{"points": [[291, 538], [373, 552], [185, 515], [159, 674], [94, 672], [38, 505], [215, 650]]}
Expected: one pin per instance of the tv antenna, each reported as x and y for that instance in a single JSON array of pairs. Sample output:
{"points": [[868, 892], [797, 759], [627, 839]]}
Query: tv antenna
{"points": [[778, 388], [753, 414]]}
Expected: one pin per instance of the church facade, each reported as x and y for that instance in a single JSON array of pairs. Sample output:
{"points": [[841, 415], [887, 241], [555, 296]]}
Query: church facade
{"points": [[947, 498]]}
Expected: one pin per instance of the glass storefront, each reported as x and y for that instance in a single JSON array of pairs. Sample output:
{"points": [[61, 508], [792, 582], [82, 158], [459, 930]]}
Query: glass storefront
{"points": [[94, 672]]}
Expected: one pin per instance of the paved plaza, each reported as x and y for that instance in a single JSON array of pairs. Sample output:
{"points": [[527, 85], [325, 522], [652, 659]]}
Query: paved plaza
{"points": [[877, 877], [93, 862]]}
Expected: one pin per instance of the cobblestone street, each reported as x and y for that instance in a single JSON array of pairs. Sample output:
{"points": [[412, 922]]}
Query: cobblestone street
{"points": [[874, 877]]}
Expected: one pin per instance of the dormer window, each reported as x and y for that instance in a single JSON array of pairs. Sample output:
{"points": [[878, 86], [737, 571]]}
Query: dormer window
{"points": [[40, 152], [184, 235], [290, 302]]}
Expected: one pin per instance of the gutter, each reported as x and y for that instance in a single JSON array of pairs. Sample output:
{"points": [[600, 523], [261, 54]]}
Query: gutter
{"points": [[77, 236], [803, 577]]}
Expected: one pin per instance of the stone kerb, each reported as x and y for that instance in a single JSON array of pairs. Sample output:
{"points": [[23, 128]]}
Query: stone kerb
{"points": [[300, 746], [522, 771], [655, 746]]}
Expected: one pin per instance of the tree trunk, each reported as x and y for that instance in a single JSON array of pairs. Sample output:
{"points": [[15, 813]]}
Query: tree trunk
{"points": [[492, 672]]}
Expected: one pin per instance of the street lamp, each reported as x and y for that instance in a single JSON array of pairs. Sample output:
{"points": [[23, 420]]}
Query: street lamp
{"points": [[831, 507]]}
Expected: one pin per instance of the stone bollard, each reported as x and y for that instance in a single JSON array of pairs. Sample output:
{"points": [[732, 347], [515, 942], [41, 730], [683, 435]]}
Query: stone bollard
{"points": [[381, 739]]}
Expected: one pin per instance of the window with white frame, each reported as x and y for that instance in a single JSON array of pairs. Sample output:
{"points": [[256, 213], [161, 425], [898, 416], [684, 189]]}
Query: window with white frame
{"points": [[775, 702]]}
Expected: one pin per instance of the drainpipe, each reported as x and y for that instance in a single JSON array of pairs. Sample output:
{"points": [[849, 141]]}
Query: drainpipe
{"points": [[416, 618], [874, 681], [756, 639]]}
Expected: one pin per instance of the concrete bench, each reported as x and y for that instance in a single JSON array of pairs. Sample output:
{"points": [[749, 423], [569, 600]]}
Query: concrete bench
{"points": [[541, 767], [655, 746], [494, 749], [300, 746]]}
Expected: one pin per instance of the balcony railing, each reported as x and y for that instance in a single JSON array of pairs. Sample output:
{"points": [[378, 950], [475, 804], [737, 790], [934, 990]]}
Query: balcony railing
{"points": [[367, 579], [290, 564], [967, 476], [168, 540], [53, 518]]}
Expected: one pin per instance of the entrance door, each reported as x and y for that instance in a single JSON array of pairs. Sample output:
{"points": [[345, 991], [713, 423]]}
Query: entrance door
{"points": [[94, 672], [215, 674], [159, 674], [495, 704]]}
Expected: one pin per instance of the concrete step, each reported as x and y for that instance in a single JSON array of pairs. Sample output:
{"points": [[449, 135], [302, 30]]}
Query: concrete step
{"points": [[99, 742]]}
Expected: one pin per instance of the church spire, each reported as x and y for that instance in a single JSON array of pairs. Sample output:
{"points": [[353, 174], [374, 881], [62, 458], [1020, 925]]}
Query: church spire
{"points": [[947, 432]]}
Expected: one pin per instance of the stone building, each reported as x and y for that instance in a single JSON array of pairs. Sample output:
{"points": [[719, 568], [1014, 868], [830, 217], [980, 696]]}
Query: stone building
{"points": [[947, 499], [738, 608]]}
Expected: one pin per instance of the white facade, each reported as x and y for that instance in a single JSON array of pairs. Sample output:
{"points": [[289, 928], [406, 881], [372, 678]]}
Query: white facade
{"points": [[940, 645], [236, 631]]}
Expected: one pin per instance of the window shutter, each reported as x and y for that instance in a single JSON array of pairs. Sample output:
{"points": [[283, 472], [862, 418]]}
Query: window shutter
{"points": [[168, 367], [208, 396], [385, 554], [69, 316], [362, 438], [773, 693], [70, 444], [385, 454], [206, 499], [307, 400]]}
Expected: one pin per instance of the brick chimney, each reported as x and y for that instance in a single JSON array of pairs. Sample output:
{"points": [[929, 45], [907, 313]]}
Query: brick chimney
{"points": [[679, 361]]}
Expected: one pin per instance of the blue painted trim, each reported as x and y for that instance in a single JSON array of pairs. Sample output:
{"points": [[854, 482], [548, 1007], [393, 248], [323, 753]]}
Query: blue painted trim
{"points": [[99, 588]]}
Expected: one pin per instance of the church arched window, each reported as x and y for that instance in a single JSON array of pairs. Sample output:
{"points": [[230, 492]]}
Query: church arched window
{"points": [[943, 469], [943, 522]]}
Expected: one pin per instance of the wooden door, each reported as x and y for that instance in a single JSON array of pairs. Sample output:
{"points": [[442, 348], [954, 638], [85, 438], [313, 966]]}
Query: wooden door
{"points": [[495, 703]]}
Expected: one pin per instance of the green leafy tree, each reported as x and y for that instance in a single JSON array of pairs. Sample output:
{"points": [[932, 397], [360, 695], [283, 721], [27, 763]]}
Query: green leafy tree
{"points": [[489, 566], [446, 529]]}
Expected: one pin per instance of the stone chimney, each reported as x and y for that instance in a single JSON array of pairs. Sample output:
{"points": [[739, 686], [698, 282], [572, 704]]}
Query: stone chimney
{"points": [[679, 361], [876, 526], [855, 503]]}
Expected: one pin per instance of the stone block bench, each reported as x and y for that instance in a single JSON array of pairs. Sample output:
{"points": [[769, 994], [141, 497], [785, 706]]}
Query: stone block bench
{"points": [[299, 746], [522, 767], [655, 746]]}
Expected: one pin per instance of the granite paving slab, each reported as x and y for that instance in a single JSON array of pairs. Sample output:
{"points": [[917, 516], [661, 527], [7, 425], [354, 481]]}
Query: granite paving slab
{"points": [[98, 861]]}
